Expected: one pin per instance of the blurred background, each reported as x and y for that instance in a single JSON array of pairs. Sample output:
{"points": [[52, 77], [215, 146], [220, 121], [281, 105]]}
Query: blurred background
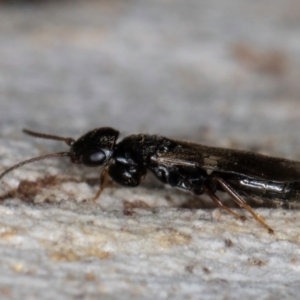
{"points": [[223, 73]]}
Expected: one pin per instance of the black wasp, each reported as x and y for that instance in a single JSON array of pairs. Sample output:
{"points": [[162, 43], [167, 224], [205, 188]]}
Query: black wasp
{"points": [[192, 167]]}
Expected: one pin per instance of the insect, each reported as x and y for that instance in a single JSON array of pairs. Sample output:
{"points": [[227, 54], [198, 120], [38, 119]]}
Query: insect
{"points": [[188, 166]]}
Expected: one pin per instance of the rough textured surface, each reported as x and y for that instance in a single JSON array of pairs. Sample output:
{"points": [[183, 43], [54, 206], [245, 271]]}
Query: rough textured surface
{"points": [[222, 73]]}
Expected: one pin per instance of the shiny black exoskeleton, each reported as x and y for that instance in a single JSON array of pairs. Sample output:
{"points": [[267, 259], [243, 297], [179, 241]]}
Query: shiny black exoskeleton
{"points": [[129, 159], [186, 165], [192, 167]]}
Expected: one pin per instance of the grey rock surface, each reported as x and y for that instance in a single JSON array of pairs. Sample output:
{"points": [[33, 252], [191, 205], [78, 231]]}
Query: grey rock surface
{"points": [[222, 73]]}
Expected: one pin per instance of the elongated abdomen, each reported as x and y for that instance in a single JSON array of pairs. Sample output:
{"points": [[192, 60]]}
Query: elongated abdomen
{"points": [[273, 193]]}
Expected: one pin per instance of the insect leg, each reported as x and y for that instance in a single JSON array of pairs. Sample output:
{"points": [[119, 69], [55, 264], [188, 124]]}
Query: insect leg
{"points": [[241, 202], [103, 183], [214, 198]]}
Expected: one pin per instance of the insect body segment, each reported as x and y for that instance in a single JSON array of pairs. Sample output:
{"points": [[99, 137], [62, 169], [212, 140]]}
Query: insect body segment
{"points": [[191, 167], [95, 148]]}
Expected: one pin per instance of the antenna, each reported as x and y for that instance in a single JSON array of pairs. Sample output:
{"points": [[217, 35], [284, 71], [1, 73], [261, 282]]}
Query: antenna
{"points": [[28, 161], [68, 141]]}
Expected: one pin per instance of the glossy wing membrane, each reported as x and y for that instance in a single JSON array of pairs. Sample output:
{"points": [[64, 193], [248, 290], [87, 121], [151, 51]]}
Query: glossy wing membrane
{"points": [[244, 163]]}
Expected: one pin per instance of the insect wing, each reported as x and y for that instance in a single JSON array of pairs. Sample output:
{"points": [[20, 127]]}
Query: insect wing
{"points": [[238, 162]]}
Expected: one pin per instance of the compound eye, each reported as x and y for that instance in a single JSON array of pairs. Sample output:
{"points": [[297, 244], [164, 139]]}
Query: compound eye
{"points": [[93, 158]]}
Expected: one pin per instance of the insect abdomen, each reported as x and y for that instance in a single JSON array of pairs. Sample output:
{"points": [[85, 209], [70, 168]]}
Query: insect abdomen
{"points": [[263, 191]]}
